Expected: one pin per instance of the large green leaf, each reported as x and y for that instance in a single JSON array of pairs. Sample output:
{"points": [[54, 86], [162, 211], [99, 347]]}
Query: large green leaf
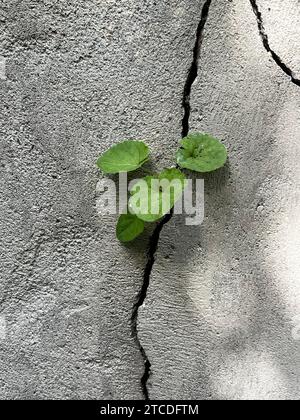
{"points": [[124, 157], [153, 196], [201, 153], [129, 227]]}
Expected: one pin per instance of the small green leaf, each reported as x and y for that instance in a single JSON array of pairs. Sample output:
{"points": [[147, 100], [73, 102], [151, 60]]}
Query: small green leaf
{"points": [[201, 153], [124, 157], [153, 196], [129, 227]]}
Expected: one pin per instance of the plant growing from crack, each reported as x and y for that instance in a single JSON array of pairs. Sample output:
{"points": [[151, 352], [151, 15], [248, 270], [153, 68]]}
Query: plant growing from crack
{"points": [[151, 198], [198, 152]]}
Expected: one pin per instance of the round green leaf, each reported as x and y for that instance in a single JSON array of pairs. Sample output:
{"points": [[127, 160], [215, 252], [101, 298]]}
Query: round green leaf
{"points": [[124, 157], [201, 153], [129, 227], [153, 196]]}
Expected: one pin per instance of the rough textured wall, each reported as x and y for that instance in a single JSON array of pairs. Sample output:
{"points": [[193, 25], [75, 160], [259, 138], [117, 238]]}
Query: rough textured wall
{"points": [[218, 318], [282, 23]]}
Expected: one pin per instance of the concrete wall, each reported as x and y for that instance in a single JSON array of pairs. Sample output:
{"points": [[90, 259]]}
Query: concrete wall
{"points": [[221, 316]]}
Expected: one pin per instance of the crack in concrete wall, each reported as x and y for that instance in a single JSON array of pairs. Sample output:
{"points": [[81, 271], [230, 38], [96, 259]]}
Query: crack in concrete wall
{"points": [[153, 244], [287, 70], [193, 73], [154, 239]]}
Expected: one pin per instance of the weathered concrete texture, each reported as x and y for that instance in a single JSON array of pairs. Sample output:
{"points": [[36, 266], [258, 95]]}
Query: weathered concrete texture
{"points": [[282, 24], [79, 77], [221, 320]]}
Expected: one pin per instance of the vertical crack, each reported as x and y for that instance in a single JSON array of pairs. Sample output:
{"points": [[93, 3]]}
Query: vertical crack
{"points": [[193, 72], [266, 44], [154, 239], [153, 244]]}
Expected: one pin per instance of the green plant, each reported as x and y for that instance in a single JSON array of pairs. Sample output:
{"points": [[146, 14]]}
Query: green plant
{"points": [[198, 152]]}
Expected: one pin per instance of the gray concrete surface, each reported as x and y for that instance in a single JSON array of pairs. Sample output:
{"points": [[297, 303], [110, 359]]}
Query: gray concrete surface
{"points": [[79, 77], [282, 24], [222, 313], [221, 320]]}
